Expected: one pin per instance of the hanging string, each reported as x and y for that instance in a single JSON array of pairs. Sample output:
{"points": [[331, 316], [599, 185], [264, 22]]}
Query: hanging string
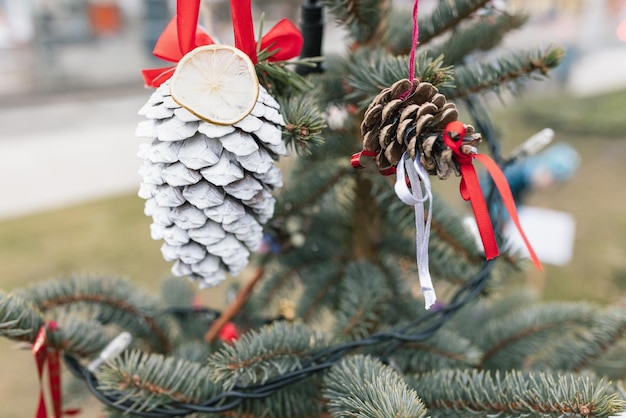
{"points": [[414, 43]]}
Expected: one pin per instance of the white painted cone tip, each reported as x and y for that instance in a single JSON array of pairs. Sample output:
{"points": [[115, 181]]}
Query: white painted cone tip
{"points": [[218, 83]]}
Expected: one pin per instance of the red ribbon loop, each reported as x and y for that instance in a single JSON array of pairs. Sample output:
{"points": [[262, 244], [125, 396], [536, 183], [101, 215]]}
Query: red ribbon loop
{"points": [[182, 35], [43, 357], [470, 190]]}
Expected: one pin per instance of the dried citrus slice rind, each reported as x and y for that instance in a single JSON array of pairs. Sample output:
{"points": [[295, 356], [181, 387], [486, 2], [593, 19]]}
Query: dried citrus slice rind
{"points": [[217, 83]]}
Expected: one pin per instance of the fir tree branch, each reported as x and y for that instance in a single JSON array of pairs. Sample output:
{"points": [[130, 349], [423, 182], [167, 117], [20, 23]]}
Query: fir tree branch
{"points": [[320, 281], [445, 350], [150, 381], [506, 72], [576, 347], [362, 18], [117, 300], [447, 16], [260, 355], [20, 320], [483, 34], [447, 392], [370, 70], [507, 340], [304, 122], [319, 179], [363, 301], [364, 387]]}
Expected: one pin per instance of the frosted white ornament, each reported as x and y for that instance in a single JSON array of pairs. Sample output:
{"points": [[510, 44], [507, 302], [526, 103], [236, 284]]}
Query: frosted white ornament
{"points": [[200, 151], [187, 216], [167, 196], [273, 177], [224, 172], [174, 129], [160, 214], [227, 212], [249, 124], [185, 115], [151, 173], [207, 185], [214, 131], [257, 162], [239, 143], [210, 264], [172, 234], [209, 233], [163, 152], [181, 269], [178, 174], [191, 253], [147, 190], [244, 189], [146, 129], [204, 195]]}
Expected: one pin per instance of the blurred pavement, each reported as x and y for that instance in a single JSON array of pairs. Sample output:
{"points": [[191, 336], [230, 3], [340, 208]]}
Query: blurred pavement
{"points": [[68, 150]]}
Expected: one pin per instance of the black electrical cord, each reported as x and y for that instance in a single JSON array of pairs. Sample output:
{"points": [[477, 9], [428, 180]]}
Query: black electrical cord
{"points": [[316, 363]]}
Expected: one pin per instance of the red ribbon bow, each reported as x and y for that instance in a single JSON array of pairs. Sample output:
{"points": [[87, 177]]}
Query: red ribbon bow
{"points": [[182, 35], [470, 190]]}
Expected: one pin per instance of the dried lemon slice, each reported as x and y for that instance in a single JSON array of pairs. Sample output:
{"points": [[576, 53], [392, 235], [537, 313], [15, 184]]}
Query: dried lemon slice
{"points": [[217, 83]]}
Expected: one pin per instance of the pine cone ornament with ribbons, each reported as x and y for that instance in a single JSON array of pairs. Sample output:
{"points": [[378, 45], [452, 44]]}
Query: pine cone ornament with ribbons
{"points": [[208, 186], [411, 116]]}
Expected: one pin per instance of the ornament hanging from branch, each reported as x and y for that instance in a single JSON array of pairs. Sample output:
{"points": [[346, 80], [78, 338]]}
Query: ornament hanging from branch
{"points": [[411, 130], [213, 136]]}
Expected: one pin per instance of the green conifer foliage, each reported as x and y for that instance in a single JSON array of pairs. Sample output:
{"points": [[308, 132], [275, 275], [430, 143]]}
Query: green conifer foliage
{"points": [[335, 326]]}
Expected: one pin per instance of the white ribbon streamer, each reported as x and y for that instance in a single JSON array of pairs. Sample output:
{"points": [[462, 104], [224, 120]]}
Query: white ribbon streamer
{"points": [[415, 197]]}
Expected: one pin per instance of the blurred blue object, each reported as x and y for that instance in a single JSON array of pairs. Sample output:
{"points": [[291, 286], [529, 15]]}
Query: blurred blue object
{"points": [[556, 164]]}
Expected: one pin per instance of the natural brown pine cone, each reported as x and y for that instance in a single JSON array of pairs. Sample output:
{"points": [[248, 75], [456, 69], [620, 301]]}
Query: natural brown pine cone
{"points": [[412, 116]]}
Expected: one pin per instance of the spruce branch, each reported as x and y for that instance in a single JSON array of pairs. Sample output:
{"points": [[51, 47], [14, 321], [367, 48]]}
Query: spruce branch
{"points": [[447, 16], [364, 300], [575, 349], [509, 339], [364, 387], [505, 73], [20, 320], [150, 381], [362, 18], [117, 302], [483, 34], [445, 350], [321, 281], [260, 355], [515, 394], [319, 180], [304, 122], [370, 70]]}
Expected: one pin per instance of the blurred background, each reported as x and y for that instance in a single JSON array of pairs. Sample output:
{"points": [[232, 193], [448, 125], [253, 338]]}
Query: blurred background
{"points": [[70, 88]]}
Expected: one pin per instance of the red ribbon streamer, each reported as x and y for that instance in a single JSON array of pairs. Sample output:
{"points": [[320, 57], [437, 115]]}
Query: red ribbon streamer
{"points": [[470, 190], [355, 161], [43, 357], [182, 35]]}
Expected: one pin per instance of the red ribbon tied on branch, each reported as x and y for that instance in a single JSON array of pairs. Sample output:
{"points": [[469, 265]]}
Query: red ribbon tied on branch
{"points": [[470, 190], [44, 357], [182, 35]]}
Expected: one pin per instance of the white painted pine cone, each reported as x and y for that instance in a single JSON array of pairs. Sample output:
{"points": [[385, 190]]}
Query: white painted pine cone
{"points": [[208, 187]]}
